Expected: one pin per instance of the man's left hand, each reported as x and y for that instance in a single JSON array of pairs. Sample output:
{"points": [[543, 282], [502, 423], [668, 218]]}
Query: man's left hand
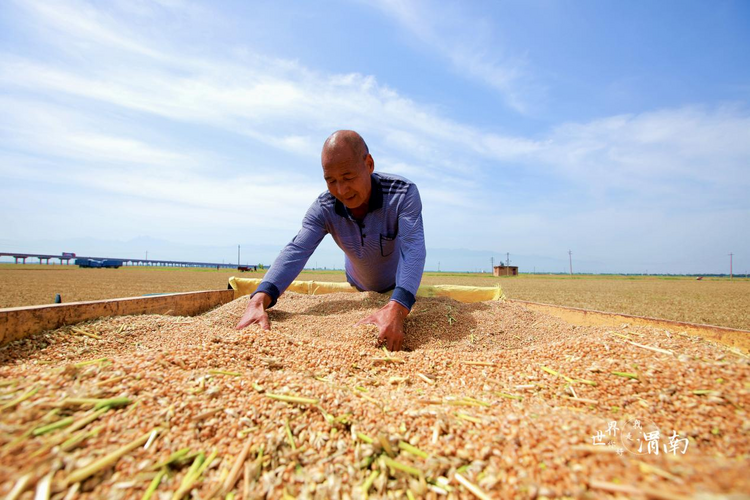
{"points": [[390, 321]]}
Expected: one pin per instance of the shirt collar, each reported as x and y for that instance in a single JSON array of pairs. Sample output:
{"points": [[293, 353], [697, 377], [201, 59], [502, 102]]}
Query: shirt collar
{"points": [[376, 199]]}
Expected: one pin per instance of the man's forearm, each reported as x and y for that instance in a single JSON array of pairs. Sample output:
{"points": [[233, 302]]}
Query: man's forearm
{"points": [[291, 261]]}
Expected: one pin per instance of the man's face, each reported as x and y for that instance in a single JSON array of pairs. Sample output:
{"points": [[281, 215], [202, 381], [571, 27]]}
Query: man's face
{"points": [[348, 176]]}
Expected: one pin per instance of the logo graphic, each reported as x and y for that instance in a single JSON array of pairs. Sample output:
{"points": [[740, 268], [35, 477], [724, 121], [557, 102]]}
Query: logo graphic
{"points": [[639, 438]]}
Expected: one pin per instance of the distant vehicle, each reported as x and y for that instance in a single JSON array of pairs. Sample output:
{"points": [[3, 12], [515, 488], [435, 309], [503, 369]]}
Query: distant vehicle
{"points": [[247, 268], [96, 263], [699, 278], [68, 255]]}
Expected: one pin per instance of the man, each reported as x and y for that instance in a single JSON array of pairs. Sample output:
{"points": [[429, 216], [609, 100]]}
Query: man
{"points": [[375, 218]]}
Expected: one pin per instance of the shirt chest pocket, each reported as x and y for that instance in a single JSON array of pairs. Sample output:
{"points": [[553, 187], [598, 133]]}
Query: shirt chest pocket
{"points": [[387, 244]]}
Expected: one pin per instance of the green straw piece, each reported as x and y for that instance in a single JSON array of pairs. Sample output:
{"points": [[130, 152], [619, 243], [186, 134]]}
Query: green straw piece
{"points": [[98, 403], [20, 399], [553, 372], [471, 487], [412, 449], [17, 441], [53, 426], [477, 401], [293, 399], [174, 457], [464, 416], [289, 435], [633, 376], [368, 482], [329, 418], [222, 372], [112, 403], [189, 479], [509, 396], [584, 381], [87, 420], [91, 362], [364, 437], [206, 463], [393, 464], [76, 439], [197, 462], [154, 484], [107, 461]]}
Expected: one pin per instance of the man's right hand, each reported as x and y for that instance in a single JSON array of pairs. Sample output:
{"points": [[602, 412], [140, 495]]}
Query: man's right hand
{"points": [[256, 312]]}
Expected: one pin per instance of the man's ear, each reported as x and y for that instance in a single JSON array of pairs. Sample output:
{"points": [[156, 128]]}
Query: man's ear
{"points": [[370, 163]]}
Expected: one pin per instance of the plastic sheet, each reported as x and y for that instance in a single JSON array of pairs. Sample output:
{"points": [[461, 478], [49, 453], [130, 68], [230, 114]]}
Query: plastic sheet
{"points": [[246, 286]]}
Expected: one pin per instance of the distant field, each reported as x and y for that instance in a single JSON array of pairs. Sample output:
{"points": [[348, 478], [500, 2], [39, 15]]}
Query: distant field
{"points": [[713, 301]]}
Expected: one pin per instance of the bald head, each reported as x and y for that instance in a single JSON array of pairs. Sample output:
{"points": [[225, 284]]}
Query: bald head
{"points": [[347, 166], [345, 139]]}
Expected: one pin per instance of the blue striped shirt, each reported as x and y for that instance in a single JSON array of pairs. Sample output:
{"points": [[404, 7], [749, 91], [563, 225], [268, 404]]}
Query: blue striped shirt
{"points": [[384, 251]]}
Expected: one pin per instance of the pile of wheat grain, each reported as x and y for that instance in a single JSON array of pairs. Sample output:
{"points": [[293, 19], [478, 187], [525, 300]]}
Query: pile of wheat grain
{"points": [[487, 399]]}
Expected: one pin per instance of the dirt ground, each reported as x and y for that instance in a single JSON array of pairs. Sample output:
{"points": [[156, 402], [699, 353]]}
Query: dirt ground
{"points": [[489, 400], [710, 301]]}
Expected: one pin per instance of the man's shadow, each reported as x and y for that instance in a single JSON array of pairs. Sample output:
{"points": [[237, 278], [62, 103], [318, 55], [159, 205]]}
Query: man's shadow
{"points": [[445, 321]]}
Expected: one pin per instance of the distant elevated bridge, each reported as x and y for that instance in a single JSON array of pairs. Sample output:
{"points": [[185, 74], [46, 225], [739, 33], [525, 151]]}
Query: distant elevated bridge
{"points": [[66, 258]]}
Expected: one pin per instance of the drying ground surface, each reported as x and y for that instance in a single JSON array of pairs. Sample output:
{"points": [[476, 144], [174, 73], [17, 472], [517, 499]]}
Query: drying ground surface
{"points": [[489, 400], [38, 284], [711, 301]]}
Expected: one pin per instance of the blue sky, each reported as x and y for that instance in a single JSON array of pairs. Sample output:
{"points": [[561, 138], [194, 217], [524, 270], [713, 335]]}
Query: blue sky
{"points": [[617, 130]]}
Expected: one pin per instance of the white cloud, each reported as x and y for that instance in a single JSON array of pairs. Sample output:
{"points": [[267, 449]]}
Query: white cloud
{"points": [[692, 149], [51, 130], [85, 24], [467, 43]]}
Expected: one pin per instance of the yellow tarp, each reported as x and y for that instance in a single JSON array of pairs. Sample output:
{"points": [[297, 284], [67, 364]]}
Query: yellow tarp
{"points": [[246, 286]]}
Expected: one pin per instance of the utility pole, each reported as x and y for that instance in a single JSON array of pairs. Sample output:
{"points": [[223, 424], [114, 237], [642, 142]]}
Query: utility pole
{"points": [[730, 265], [492, 264], [507, 258], [438, 266], [570, 258]]}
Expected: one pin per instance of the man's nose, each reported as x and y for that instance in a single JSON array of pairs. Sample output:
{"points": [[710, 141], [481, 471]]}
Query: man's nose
{"points": [[344, 189]]}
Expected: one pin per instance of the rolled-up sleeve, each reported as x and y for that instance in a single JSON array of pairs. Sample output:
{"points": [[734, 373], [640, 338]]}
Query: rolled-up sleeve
{"points": [[412, 249], [292, 259]]}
